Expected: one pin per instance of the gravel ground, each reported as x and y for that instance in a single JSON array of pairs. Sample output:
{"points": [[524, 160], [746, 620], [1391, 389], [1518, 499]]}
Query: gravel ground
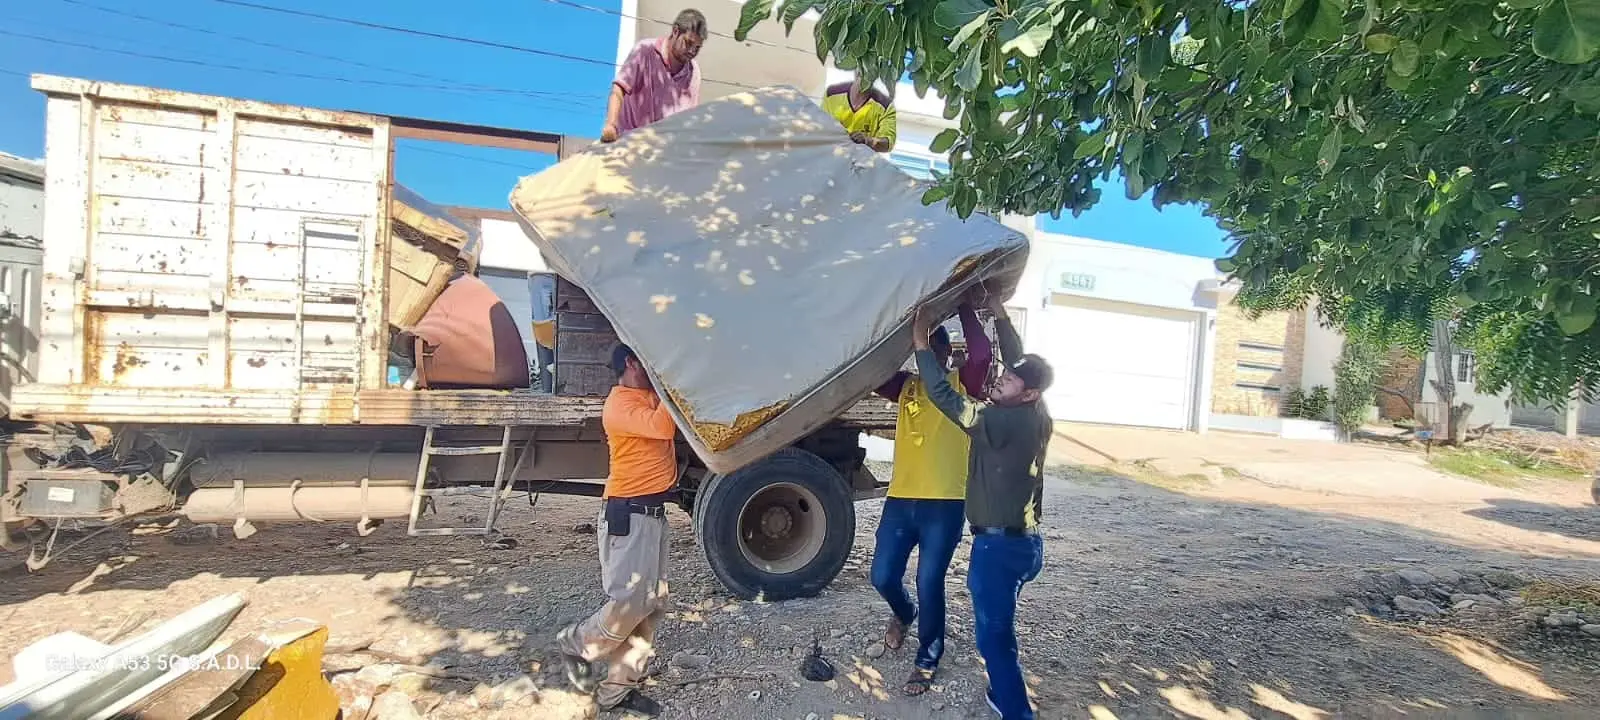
{"points": [[1219, 600]]}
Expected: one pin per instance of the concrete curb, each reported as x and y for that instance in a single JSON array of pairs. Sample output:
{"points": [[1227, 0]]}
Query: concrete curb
{"points": [[1109, 458]]}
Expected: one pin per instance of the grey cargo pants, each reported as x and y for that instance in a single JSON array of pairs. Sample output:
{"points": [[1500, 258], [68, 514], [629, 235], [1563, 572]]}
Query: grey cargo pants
{"points": [[633, 571]]}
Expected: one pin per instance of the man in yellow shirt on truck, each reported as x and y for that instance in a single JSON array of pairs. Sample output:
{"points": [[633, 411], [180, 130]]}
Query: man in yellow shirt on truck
{"points": [[866, 112], [924, 509]]}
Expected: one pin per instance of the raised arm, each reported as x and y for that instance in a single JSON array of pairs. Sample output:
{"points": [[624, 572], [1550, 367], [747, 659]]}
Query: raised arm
{"points": [[980, 353], [641, 419], [961, 410], [1010, 341], [965, 412]]}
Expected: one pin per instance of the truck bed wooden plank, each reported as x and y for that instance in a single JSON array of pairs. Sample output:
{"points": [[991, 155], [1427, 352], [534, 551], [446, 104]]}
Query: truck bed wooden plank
{"points": [[65, 403]]}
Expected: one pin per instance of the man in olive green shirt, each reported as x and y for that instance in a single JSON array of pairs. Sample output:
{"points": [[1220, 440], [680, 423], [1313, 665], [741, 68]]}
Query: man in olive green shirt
{"points": [[1005, 491]]}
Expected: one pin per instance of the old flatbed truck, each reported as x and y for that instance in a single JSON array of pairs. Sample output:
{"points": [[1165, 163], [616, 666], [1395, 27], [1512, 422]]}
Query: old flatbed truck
{"points": [[214, 339]]}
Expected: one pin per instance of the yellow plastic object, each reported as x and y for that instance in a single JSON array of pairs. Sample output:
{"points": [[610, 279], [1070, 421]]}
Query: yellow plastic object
{"points": [[290, 684], [544, 332]]}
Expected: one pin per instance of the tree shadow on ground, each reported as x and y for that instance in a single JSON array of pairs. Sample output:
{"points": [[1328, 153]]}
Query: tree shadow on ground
{"points": [[1152, 603], [1580, 523]]}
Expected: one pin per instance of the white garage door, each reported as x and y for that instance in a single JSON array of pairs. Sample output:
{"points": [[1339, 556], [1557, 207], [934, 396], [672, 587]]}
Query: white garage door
{"points": [[1118, 363]]}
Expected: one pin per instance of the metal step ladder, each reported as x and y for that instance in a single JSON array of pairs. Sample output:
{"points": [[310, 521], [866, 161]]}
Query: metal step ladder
{"points": [[423, 493]]}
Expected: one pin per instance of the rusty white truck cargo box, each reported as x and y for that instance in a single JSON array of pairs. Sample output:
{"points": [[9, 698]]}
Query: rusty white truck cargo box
{"points": [[208, 243], [210, 259], [761, 264]]}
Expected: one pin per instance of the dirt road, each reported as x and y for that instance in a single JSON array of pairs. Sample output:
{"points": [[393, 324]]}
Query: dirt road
{"points": [[1225, 599]]}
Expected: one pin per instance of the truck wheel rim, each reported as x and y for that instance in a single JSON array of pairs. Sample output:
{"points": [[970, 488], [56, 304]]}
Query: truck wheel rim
{"points": [[781, 528]]}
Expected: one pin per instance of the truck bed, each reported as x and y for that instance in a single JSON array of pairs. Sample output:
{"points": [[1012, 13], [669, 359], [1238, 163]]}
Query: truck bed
{"points": [[335, 406]]}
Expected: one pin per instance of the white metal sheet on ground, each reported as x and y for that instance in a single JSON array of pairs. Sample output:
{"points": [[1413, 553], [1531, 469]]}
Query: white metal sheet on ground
{"points": [[1118, 363]]}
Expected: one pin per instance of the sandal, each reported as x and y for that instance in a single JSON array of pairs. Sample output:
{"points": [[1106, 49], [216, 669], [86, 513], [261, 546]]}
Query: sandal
{"points": [[895, 635], [919, 682]]}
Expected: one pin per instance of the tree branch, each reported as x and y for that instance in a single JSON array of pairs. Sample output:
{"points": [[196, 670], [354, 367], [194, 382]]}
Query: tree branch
{"points": [[1410, 406]]}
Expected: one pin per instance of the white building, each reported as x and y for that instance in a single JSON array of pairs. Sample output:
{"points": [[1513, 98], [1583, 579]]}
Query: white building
{"points": [[21, 262]]}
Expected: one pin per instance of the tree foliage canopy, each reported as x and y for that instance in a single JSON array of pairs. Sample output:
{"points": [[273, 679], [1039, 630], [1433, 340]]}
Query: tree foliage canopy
{"points": [[1397, 159]]}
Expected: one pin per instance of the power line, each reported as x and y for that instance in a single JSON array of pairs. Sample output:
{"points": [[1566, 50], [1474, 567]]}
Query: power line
{"points": [[455, 38], [264, 71], [619, 13], [416, 32], [317, 55], [447, 153]]}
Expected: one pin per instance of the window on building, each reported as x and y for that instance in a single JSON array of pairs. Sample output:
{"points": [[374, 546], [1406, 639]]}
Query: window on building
{"points": [[1267, 367], [1019, 319], [1259, 346], [1466, 367], [919, 166], [1262, 387]]}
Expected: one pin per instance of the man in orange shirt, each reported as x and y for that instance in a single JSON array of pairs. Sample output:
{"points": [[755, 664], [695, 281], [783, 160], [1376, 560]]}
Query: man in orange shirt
{"points": [[633, 543]]}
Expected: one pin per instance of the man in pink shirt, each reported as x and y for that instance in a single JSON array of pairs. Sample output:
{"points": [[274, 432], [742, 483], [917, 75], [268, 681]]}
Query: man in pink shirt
{"points": [[659, 78]]}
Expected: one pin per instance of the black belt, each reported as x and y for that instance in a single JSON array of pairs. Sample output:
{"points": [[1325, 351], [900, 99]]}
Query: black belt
{"points": [[654, 506], [1006, 531]]}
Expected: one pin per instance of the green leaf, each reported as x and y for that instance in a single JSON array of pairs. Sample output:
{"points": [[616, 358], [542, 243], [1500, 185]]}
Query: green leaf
{"points": [[1029, 42], [1568, 31], [969, 74], [1578, 316], [944, 140], [1328, 156], [1328, 24], [1154, 51], [1381, 43], [1293, 7], [1226, 265], [1313, 19], [1297, 18], [968, 30], [1394, 80], [792, 10], [1525, 4], [1092, 145], [1404, 59], [1586, 95], [1433, 40], [952, 14], [752, 14], [935, 194]]}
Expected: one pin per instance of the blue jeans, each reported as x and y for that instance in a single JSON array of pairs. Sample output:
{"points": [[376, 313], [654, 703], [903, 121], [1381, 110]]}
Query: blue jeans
{"points": [[1001, 564], [936, 527]]}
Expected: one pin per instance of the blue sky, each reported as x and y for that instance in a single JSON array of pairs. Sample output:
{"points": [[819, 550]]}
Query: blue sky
{"points": [[220, 47]]}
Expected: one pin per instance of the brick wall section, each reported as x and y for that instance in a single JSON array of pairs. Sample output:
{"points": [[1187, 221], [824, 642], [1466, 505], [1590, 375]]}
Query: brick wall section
{"points": [[1286, 330], [1401, 375]]}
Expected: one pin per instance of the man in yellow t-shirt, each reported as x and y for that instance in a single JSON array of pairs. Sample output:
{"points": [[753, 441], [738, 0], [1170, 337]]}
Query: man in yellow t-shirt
{"points": [[866, 112], [925, 504]]}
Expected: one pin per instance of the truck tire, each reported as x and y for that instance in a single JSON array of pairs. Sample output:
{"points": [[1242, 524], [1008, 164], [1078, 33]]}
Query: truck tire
{"points": [[777, 529]]}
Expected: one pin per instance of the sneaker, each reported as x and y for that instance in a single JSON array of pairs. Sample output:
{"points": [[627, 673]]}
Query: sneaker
{"points": [[637, 704], [579, 672]]}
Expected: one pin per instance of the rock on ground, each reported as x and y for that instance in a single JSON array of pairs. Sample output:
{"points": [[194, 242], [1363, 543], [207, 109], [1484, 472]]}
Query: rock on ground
{"points": [[1407, 604]]}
